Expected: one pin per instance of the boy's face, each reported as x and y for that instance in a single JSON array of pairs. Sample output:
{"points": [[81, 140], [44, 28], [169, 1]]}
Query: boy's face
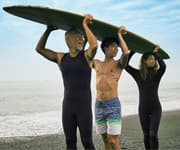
{"points": [[111, 50]]}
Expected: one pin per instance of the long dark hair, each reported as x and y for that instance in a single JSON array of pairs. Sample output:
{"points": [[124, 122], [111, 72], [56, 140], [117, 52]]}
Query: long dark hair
{"points": [[145, 71]]}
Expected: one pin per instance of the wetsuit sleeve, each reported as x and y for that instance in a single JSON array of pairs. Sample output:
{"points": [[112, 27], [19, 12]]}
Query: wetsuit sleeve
{"points": [[162, 65], [123, 60], [132, 71]]}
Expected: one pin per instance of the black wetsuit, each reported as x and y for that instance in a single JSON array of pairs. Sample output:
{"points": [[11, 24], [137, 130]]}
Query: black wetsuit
{"points": [[149, 104], [77, 111]]}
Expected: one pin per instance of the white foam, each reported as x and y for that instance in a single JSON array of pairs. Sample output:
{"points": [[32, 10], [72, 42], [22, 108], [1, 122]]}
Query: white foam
{"points": [[36, 109], [30, 124]]}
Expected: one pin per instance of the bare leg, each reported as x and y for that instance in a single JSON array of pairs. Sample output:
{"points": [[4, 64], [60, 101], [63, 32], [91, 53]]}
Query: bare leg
{"points": [[114, 142], [107, 145]]}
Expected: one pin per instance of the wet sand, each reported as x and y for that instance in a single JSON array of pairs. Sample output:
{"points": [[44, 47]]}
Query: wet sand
{"points": [[131, 138]]}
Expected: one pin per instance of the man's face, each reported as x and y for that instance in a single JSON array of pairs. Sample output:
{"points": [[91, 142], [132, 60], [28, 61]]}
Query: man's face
{"points": [[75, 41], [111, 50]]}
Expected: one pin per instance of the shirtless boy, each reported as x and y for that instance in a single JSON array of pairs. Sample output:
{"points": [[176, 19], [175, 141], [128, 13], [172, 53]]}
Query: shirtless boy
{"points": [[108, 107]]}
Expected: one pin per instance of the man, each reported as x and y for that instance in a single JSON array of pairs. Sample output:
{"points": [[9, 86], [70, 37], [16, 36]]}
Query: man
{"points": [[76, 73], [108, 108]]}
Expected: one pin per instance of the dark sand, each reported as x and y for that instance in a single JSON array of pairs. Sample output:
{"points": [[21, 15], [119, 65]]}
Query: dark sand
{"points": [[131, 138]]}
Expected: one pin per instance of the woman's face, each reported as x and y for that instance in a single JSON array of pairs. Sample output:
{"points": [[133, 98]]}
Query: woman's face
{"points": [[151, 61]]}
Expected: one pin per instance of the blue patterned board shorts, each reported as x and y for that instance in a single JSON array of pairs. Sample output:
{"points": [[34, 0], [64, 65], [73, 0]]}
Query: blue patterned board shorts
{"points": [[108, 116]]}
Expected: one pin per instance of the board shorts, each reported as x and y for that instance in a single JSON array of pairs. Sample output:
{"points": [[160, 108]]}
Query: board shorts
{"points": [[108, 116]]}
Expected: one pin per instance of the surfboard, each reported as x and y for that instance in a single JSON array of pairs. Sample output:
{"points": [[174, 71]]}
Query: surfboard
{"points": [[66, 20]]}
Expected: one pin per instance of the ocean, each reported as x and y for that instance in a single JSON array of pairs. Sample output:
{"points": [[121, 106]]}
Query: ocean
{"points": [[30, 108]]}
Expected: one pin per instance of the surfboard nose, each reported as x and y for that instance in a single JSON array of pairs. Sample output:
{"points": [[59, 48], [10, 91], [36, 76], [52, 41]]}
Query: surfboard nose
{"points": [[5, 8], [8, 8]]}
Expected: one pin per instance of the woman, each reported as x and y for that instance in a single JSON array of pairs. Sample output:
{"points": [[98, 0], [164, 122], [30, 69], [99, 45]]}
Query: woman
{"points": [[148, 77]]}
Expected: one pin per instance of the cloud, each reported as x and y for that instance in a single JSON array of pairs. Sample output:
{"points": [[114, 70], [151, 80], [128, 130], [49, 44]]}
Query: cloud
{"points": [[157, 20], [123, 6], [76, 3], [147, 10]]}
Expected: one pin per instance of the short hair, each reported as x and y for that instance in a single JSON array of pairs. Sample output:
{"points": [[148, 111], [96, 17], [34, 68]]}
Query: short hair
{"points": [[108, 41], [73, 30]]}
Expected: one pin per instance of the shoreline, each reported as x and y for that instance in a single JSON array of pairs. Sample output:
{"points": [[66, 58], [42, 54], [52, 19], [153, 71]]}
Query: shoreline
{"points": [[131, 137]]}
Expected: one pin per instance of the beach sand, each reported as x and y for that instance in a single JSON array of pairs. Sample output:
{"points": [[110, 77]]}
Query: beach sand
{"points": [[131, 138]]}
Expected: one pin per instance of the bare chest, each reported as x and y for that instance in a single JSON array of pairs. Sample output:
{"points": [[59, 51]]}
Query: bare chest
{"points": [[107, 68]]}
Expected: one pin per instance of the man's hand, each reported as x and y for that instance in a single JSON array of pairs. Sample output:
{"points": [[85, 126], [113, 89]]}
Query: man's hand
{"points": [[122, 30], [51, 28], [87, 19]]}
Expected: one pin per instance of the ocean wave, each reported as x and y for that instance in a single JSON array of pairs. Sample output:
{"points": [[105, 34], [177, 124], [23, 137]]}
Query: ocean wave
{"points": [[30, 124]]}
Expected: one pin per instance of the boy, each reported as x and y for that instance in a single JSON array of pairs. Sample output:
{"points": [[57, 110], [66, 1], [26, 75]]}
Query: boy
{"points": [[108, 108]]}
